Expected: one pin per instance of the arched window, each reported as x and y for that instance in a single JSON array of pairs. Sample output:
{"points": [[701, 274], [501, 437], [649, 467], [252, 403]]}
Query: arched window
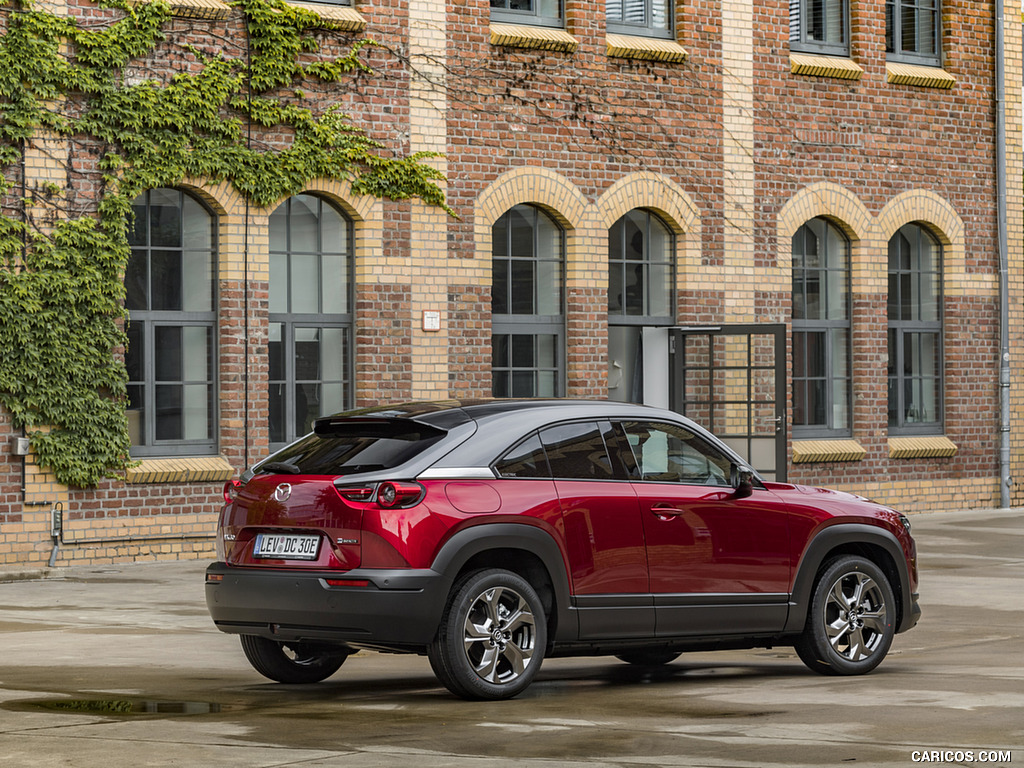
{"points": [[821, 330], [640, 293], [310, 347], [169, 295], [528, 251], [915, 332]]}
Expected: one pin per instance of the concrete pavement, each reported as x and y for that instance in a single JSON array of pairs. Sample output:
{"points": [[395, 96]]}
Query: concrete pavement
{"points": [[120, 666]]}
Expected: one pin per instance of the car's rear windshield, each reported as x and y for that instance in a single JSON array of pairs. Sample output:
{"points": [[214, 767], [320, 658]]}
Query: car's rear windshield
{"points": [[346, 447]]}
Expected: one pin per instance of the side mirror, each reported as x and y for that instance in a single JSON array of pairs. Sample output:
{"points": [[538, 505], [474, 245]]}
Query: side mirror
{"points": [[743, 482]]}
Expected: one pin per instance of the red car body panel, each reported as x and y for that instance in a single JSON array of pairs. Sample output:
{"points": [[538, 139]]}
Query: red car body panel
{"points": [[703, 540]]}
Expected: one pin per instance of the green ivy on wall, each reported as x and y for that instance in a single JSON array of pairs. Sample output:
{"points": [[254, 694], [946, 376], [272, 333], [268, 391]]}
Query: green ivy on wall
{"points": [[61, 290]]}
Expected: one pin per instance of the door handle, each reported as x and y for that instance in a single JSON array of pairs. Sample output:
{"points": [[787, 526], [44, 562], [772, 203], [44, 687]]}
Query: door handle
{"points": [[666, 512]]}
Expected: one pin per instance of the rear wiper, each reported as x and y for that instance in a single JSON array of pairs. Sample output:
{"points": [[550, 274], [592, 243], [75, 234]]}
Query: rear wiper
{"points": [[279, 466]]}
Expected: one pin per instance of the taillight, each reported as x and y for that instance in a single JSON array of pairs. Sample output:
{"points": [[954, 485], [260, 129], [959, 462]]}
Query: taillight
{"points": [[399, 495], [356, 492], [392, 494], [231, 488]]}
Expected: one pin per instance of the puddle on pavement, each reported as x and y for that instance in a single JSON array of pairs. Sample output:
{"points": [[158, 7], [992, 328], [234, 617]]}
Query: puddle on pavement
{"points": [[117, 707]]}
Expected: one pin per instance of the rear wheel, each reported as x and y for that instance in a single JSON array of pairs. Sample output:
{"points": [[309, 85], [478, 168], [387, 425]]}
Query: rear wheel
{"points": [[492, 636], [288, 662], [649, 658], [851, 621]]}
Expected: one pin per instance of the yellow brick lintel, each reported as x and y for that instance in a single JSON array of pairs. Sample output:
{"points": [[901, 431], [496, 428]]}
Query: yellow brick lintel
{"points": [[899, 73], [929, 447], [540, 38], [342, 17], [648, 48], [824, 66], [807, 451], [199, 469], [197, 9]]}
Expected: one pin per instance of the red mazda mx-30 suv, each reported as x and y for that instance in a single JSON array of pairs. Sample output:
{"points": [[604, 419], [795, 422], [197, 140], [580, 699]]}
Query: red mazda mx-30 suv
{"points": [[491, 534]]}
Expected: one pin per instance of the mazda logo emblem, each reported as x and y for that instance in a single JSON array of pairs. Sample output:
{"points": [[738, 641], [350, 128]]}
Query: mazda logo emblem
{"points": [[283, 491]]}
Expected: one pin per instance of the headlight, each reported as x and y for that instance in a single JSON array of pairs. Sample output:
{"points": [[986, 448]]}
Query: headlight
{"points": [[905, 520]]}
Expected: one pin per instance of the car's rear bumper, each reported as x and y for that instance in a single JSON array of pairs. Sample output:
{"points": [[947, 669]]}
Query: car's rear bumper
{"points": [[395, 608]]}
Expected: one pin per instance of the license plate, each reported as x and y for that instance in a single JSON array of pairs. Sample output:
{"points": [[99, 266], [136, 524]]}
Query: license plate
{"points": [[286, 546]]}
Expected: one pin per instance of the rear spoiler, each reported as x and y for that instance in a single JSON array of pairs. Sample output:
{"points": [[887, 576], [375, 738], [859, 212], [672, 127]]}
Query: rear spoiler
{"points": [[395, 429]]}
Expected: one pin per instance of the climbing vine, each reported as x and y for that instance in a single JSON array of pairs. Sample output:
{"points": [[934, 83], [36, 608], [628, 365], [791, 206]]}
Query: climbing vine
{"points": [[63, 254]]}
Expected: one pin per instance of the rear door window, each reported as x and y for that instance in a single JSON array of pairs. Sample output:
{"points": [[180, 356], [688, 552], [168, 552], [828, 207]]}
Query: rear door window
{"points": [[527, 459], [578, 451]]}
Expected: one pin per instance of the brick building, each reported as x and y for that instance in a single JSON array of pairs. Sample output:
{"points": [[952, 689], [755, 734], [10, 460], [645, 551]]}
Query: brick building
{"points": [[779, 218]]}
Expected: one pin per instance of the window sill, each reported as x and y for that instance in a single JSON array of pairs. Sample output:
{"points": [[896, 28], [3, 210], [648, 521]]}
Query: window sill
{"points": [[538, 38], [808, 451], [197, 9], [648, 48], [932, 447], [342, 17], [898, 73], [813, 65], [202, 469]]}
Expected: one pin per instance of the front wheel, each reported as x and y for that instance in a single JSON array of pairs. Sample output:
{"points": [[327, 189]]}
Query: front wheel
{"points": [[293, 662], [492, 636], [851, 621]]}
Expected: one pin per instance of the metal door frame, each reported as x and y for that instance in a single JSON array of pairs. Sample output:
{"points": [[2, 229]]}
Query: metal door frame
{"points": [[677, 379]]}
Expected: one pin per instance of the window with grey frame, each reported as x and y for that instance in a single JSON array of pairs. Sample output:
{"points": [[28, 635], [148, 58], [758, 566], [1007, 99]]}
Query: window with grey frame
{"points": [[310, 349], [641, 277], [171, 303], [820, 26], [543, 13], [912, 31], [527, 321], [821, 330], [915, 332], [647, 18]]}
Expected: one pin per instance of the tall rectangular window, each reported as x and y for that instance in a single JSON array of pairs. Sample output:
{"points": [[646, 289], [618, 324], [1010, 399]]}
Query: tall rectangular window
{"points": [[820, 26], [169, 295], [641, 280], [912, 30], [915, 332], [310, 351], [821, 331], [527, 322]]}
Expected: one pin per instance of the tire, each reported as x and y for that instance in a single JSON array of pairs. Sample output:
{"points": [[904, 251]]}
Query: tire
{"points": [[492, 636], [851, 621], [293, 662], [649, 658]]}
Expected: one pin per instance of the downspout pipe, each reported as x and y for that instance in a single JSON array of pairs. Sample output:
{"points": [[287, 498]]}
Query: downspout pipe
{"points": [[1005, 481]]}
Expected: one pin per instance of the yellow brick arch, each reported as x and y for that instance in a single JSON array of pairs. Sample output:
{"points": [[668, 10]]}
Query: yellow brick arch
{"points": [[939, 217], [664, 197], [827, 200], [557, 196], [654, 192], [222, 199], [359, 208], [528, 184]]}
